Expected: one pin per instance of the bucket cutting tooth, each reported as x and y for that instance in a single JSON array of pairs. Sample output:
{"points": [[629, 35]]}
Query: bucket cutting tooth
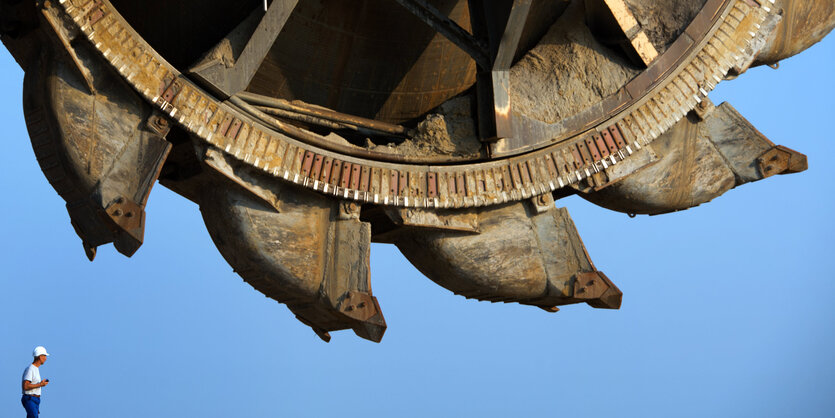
{"points": [[302, 249]]}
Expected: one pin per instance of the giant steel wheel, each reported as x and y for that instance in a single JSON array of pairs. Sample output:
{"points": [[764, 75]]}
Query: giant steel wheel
{"points": [[306, 129]]}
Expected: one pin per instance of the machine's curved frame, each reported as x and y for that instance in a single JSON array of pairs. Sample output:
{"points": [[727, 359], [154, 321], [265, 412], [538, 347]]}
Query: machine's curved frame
{"points": [[673, 86]]}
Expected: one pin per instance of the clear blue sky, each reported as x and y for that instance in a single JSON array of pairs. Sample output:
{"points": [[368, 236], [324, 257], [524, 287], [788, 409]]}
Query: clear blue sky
{"points": [[727, 307]]}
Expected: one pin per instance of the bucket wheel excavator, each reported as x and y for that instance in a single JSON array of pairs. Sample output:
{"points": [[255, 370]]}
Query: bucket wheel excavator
{"points": [[307, 129]]}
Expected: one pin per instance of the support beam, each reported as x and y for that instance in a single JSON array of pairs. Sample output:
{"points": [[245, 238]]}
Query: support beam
{"points": [[449, 29], [501, 26], [613, 23], [497, 28], [229, 67], [512, 33]]}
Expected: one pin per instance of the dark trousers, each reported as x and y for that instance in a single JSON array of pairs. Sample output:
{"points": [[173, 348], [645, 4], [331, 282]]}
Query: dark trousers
{"points": [[32, 405]]}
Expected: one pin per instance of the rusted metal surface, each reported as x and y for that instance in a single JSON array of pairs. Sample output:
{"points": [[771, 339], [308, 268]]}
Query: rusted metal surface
{"points": [[103, 163], [445, 220], [307, 255], [538, 264], [678, 68], [802, 24], [781, 160], [308, 131], [699, 160], [631, 126], [597, 290]]}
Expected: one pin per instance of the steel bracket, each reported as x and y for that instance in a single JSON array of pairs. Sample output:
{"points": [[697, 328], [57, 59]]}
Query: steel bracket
{"points": [[781, 160], [704, 109], [597, 290], [358, 305], [158, 124], [348, 210], [543, 203]]}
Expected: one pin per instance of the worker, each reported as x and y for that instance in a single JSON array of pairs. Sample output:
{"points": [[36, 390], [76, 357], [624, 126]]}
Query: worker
{"points": [[32, 383]]}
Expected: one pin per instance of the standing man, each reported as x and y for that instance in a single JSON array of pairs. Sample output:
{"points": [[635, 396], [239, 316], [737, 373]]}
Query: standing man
{"points": [[32, 383]]}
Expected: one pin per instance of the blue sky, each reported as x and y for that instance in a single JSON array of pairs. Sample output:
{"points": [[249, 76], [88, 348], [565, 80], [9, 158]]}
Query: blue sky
{"points": [[726, 312]]}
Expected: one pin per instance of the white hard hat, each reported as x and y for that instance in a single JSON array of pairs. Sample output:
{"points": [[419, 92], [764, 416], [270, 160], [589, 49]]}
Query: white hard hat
{"points": [[39, 351]]}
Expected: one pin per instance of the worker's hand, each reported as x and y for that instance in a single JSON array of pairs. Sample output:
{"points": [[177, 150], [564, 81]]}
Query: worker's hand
{"points": [[44, 383]]}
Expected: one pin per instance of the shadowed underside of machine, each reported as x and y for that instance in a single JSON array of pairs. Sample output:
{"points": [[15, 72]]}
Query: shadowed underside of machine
{"points": [[307, 129]]}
